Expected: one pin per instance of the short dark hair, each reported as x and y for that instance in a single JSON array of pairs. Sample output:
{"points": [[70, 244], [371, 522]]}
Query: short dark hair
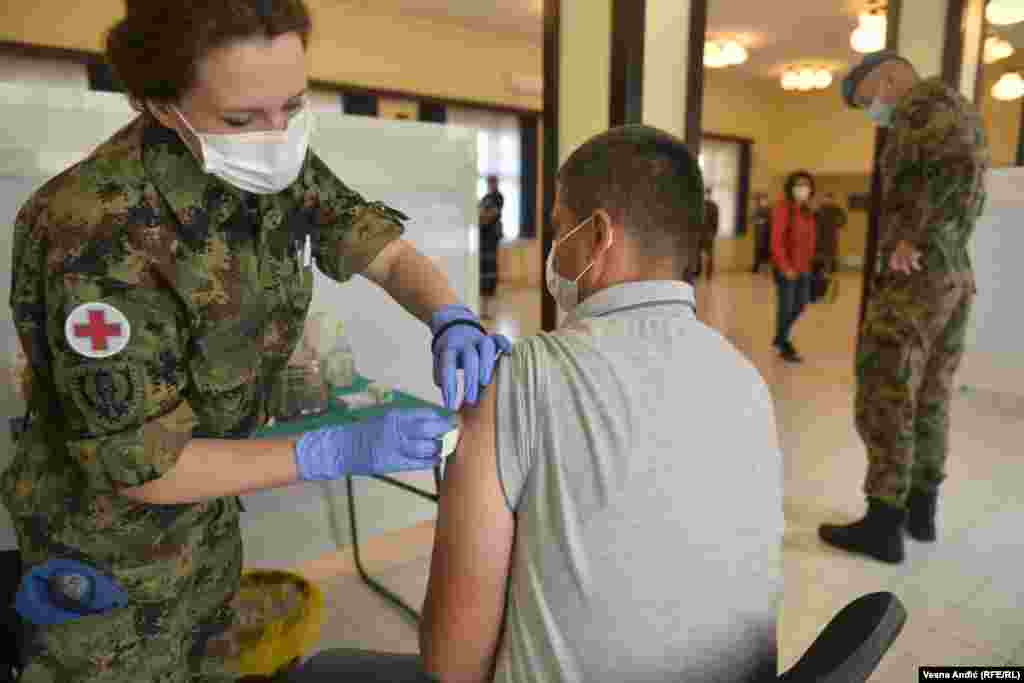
{"points": [[646, 179], [796, 177], [155, 50]]}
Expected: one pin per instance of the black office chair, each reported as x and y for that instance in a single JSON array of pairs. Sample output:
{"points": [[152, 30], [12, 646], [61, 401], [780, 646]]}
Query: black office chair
{"points": [[847, 651], [853, 643], [10, 622]]}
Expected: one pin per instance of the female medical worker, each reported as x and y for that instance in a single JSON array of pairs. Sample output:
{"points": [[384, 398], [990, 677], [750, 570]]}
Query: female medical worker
{"points": [[159, 287]]}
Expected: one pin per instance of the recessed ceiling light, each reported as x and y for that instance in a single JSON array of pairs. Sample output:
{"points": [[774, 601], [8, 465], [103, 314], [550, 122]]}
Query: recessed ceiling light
{"points": [[1009, 87], [720, 54], [997, 49], [1005, 12]]}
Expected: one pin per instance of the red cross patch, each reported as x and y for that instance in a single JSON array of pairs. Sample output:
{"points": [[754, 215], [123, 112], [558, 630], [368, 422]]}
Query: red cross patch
{"points": [[97, 330]]}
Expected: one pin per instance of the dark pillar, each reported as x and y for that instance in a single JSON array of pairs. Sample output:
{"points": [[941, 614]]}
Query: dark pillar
{"points": [[552, 61], [627, 82]]}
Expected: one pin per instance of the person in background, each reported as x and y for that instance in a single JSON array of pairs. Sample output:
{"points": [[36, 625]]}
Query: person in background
{"points": [[710, 232], [159, 287], [793, 244], [933, 178], [830, 219], [490, 209], [762, 224]]}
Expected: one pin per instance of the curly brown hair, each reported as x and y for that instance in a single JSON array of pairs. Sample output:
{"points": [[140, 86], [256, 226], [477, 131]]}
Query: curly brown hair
{"points": [[156, 49]]}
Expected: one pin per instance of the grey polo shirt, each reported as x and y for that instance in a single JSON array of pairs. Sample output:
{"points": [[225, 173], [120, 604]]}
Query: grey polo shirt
{"points": [[638, 450]]}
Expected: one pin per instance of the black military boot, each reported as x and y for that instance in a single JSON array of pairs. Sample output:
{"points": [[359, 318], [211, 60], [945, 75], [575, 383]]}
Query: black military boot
{"points": [[921, 515], [879, 534], [789, 353]]}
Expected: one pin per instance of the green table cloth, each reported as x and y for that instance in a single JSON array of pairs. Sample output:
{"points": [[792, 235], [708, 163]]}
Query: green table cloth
{"points": [[338, 414]]}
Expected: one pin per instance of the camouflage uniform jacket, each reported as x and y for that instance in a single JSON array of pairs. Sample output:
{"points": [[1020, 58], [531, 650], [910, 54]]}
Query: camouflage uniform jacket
{"points": [[933, 173], [214, 295]]}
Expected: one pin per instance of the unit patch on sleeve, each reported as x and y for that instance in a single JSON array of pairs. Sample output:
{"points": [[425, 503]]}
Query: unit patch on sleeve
{"points": [[110, 396]]}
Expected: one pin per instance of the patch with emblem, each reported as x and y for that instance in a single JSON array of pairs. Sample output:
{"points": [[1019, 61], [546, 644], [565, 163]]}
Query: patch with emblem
{"points": [[110, 397], [97, 330]]}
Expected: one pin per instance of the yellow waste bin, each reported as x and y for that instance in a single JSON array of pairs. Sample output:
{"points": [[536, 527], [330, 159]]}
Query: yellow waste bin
{"points": [[280, 615]]}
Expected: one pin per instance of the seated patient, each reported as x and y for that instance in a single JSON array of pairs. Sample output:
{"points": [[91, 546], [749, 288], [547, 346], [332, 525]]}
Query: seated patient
{"points": [[614, 512]]}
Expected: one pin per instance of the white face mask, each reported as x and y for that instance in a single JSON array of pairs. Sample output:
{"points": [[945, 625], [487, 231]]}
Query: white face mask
{"points": [[263, 162], [880, 112], [802, 194], [565, 292]]}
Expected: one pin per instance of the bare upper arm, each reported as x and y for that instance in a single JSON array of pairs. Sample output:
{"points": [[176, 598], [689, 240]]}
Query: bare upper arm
{"points": [[465, 600], [380, 268]]}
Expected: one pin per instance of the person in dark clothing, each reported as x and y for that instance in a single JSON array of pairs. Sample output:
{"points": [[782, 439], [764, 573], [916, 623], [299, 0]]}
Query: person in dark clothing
{"points": [[793, 238], [707, 240], [490, 237], [830, 219], [762, 223]]}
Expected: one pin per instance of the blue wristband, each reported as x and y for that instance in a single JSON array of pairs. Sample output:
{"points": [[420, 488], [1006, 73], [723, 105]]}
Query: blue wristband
{"points": [[447, 314], [444, 328]]}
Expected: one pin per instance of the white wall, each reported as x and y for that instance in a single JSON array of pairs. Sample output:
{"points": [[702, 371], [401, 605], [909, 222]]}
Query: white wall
{"points": [[13, 192], [994, 357], [427, 171]]}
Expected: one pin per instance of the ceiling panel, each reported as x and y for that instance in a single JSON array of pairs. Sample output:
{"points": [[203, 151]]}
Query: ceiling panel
{"points": [[777, 33], [522, 17], [781, 34]]}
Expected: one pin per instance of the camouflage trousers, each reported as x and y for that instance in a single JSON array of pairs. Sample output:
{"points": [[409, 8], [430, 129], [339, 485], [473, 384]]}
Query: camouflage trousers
{"points": [[122, 646], [910, 348]]}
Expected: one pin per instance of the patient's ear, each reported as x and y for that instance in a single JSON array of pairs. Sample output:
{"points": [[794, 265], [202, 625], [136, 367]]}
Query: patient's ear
{"points": [[604, 229]]}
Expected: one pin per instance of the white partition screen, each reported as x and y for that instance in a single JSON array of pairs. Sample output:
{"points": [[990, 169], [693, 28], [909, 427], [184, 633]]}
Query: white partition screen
{"points": [[993, 359], [425, 170]]}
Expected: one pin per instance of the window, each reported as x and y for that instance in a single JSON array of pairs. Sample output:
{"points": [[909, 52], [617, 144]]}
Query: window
{"points": [[720, 162], [360, 104], [103, 79], [499, 152]]}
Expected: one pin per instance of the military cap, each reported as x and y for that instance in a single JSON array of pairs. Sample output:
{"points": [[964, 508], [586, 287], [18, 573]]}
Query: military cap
{"points": [[866, 66]]}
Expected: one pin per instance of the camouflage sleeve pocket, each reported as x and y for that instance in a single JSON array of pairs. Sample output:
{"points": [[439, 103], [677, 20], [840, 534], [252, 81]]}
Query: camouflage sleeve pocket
{"points": [[351, 230], [119, 372], [372, 228], [136, 456]]}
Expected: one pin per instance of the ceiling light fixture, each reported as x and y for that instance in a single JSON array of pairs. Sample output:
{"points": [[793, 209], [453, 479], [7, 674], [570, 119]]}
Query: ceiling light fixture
{"points": [[1009, 87], [805, 79], [869, 36], [1005, 12], [997, 49], [719, 54]]}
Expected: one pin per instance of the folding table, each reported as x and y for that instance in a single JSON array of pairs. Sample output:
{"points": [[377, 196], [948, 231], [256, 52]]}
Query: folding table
{"points": [[337, 415]]}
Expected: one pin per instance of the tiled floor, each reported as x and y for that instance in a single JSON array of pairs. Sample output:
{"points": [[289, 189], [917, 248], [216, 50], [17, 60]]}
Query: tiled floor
{"points": [[964, 594]]}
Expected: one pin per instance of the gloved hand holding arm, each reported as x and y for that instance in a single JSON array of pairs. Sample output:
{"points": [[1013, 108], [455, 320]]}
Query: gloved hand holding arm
{"points": [[398, 441], [461, 342]]}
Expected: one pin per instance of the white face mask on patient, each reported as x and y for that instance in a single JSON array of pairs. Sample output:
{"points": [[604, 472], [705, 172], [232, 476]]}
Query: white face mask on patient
{"points": [[262, 162], [565, 292]]}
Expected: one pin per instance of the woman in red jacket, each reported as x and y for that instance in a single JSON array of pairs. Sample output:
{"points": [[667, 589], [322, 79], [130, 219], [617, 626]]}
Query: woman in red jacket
{"points": [[793, 244]]}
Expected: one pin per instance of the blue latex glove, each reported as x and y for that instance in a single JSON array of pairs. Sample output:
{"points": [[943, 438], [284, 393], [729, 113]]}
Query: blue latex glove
{"points": [[464, 345], [64, 590], [398, 441]]}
